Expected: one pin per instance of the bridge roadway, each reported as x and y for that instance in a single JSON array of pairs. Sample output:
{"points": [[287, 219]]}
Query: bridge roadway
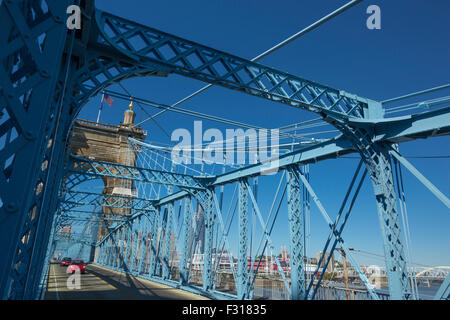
{"points": [[99, 283]]}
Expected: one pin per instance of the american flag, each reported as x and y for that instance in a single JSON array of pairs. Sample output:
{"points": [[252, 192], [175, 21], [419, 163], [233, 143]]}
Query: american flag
{"points": [[108, 99]]}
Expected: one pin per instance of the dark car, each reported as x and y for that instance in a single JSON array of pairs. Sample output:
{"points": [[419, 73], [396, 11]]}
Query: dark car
{"points": [[65, 262]]}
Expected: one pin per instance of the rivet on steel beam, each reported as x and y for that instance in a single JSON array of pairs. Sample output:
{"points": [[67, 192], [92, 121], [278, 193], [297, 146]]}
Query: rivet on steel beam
{"points": [[57, 19], [44, 74], [29, 135], [11, 207]]}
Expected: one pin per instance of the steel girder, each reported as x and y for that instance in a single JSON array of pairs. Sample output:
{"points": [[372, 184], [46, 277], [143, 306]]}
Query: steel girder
{"points": [[378, 162], [154, 244], [383, 184], [31, 52], [444, 290], [208, 208], [75, 198], [87, 167], [41, 101], [134, 248], [146, 45], [144, 244], [167, 241], [186, 227], [296, 237], [242, 277], [167, 232]]}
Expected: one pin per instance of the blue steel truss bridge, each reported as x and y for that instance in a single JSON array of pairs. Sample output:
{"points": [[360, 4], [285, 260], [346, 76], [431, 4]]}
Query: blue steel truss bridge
{"points": [[190, 226]]}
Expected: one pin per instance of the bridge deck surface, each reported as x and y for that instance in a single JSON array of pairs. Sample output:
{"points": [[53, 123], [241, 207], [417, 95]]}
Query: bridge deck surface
{"points": [[103, 284]]}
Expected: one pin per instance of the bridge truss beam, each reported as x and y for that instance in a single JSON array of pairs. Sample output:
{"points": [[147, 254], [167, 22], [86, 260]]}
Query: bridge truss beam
{"points": [[48, 74]]}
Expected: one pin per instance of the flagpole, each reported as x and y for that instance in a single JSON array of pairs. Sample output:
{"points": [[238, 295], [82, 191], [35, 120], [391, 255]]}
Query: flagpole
{"points": [[100, 109]]}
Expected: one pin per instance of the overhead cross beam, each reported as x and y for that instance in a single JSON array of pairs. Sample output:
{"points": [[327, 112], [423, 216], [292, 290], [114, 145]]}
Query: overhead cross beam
{"points": [[88, 167], [155, 49], [80, 198]]}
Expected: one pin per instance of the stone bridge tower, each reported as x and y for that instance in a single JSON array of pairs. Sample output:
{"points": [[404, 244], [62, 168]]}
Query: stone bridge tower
{"points": [[108, 143]]}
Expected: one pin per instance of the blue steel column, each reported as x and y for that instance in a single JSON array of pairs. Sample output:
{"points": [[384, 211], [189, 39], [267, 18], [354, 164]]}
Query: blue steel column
{"points": [[119, 241], [144, 244], [106, 254], [28, 76], [295, 219], [242, 276], [125, 260], [100, 254], [109, 253], [160, 246], [167, 240], [378, 162], [133, 248], [154, 244], [209, 229], [186, 228], [136, 244], [114, 250], [383, 185], [112, 258]]}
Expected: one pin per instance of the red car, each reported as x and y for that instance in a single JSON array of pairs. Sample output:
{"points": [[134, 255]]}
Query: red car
{"points": [[65, 262], [76, 264]]}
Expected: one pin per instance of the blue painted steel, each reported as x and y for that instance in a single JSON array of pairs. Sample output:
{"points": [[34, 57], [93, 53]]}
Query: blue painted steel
{"points": [[135, 234], [118, 243], [267, 236], [444, 290], [29, 76], [209, 229], [125, 261], [337, 232], [396, 265], [331, 225], [99, 169], [296, 237], [240, 74], [242, 278], [154, 245], [167, 241], [145, 244], [186, 228], [421, 178], [76, 198], [43, 92], [224, 237]]}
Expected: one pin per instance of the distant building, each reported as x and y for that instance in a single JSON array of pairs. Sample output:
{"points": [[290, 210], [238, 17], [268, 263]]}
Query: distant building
{"points": [[284, 254], [66, 230], [330, 267]]}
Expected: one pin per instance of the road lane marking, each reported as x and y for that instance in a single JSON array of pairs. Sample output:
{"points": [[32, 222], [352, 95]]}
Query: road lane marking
{"points": [[56, 284]]}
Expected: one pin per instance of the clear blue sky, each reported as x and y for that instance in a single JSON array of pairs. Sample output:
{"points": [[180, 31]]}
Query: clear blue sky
{"points": [[410, 53]]}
